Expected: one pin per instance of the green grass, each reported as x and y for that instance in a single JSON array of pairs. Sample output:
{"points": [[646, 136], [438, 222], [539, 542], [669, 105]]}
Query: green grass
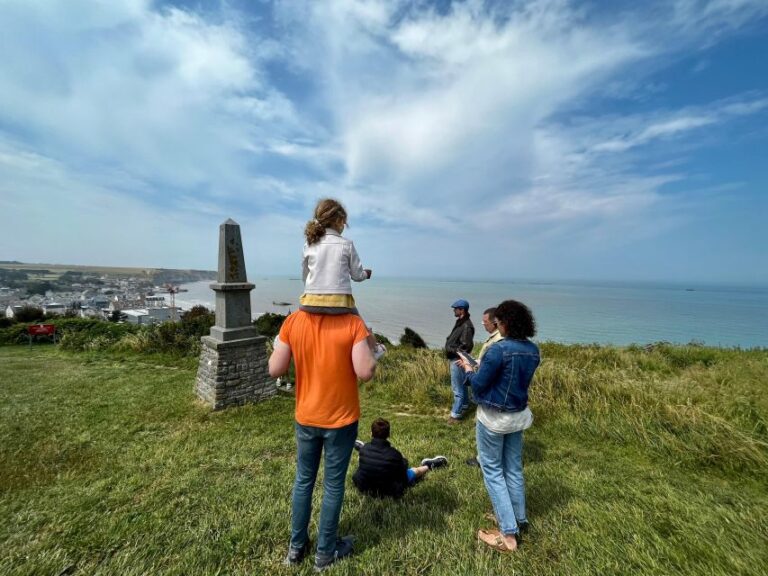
{"points": [[639, 462]]}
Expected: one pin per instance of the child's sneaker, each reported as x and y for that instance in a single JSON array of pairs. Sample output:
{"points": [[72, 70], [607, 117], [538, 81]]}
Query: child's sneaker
{"points": [[359, 444], [379, 351], [435, 462]]}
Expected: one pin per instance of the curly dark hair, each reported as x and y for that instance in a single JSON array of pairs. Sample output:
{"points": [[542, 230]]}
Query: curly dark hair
{"points": [[517, 319], [380, 429], [329, 213]]}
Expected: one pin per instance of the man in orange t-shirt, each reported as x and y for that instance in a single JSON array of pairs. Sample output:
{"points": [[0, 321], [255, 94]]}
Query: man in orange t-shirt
{"points": [[330, 353]]}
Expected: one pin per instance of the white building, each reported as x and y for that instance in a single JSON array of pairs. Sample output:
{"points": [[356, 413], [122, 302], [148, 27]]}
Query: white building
{"points": [[12, 309], [146, 316], [54, 308]]}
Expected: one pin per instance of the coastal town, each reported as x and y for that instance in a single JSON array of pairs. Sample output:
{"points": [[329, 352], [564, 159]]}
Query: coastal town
{"points": [[137, 296]]}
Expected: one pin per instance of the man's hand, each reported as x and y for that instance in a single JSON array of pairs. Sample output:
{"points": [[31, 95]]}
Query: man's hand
{"points": [[368, 272]]}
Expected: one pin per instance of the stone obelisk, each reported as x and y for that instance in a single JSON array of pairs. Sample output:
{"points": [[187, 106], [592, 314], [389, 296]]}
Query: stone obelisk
{"points": [[233, 361]]}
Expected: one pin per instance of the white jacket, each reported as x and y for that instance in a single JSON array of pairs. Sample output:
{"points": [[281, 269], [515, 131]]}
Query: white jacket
{"points": [[329, 264]]}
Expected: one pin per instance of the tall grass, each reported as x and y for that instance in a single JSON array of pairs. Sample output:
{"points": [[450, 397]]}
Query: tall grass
{"points": [[697, 406], [641, 461]]}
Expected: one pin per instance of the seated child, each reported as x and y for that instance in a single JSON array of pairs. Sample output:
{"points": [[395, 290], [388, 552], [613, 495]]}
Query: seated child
{"points": [[330, 262], [382, 470]]}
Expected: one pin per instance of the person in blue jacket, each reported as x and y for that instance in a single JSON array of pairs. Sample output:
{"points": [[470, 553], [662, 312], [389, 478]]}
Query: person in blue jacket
{"points": [[500, 388]]}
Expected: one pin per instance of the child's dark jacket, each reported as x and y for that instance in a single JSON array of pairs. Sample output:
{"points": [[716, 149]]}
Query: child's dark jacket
{"points": [[382, 470]]}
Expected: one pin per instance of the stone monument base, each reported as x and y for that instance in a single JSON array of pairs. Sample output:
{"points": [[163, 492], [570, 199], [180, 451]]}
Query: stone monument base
{"points": [[234, 373]]}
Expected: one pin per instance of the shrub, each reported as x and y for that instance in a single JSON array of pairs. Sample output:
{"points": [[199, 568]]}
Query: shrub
{"points": [[269, 324], [78, 334], [14, 334], [29, 313], [6, 322], [382, 339], [412, 339], [197, 321], [117, 316]]}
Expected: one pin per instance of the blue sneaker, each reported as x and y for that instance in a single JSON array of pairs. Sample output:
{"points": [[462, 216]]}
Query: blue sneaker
{"points": [[343, 549]]}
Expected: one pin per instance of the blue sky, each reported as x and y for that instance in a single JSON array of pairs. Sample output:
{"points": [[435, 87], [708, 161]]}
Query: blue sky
{"points": [[540, 139]]}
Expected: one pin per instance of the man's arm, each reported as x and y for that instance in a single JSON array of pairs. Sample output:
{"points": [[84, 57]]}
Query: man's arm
{"points": [[465, 340], [363, 361], [280, 359]]}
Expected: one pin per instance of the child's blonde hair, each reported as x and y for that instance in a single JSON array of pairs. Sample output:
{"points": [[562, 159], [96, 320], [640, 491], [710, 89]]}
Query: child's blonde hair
{"points": [[329, 213]]}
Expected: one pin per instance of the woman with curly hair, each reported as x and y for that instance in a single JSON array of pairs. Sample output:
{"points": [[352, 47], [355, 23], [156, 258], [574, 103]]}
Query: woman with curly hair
{"points": [[500, 389]]}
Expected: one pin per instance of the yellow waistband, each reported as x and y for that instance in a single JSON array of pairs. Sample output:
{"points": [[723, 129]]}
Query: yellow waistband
{"points": [[330, 300]]}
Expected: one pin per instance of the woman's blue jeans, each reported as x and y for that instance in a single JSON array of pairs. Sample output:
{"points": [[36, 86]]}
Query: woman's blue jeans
{"points": [[335, 444], [460, 392], [501, 460]]}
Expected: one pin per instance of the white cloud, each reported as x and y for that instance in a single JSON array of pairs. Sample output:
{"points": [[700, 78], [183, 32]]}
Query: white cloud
{"points": [[639, 130], [166, 96], [423, 121]]}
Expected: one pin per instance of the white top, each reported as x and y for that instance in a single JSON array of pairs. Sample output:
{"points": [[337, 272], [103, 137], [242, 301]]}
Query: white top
{"points": [[330, 263], [504, 422]]}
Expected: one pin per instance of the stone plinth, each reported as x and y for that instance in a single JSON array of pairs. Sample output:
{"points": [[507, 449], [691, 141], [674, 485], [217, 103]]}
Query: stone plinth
{"points": [[234, 373], [233, 363]]}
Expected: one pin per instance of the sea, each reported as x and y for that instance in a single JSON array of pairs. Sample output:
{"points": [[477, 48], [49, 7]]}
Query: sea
{"points": [[614, 313]]}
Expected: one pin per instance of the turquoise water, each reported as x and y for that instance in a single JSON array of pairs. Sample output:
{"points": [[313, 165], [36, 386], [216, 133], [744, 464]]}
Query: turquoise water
{"points": [[568, 312]]}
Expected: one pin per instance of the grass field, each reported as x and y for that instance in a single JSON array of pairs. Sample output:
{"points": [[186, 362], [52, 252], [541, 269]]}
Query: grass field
{"points": [[641, 461]]}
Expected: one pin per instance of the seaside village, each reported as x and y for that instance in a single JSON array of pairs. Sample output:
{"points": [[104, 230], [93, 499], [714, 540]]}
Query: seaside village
{"points": [[133, 300]]}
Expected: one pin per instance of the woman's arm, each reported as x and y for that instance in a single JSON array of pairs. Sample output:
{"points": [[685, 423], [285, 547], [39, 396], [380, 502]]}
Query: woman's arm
{"points": [[486, 376]]}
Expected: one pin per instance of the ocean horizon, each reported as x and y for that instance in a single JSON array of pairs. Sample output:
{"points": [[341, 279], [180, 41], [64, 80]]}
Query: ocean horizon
{"points": [[569, 312]]}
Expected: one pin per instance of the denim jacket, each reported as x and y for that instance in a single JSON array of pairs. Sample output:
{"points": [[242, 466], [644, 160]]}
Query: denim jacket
{"points": [[330, 263], [505, 374]]}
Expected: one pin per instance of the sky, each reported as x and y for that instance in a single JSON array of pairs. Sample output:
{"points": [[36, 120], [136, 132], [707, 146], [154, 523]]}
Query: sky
{"points": [[540, 139]]}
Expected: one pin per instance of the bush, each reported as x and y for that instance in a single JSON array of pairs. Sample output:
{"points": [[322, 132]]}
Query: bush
{"points": [[117, 316], [412, 339], [29, 313], [197, 321], [6, 322], [79, 334], [269, 324], [14, 334], [382, 339]]}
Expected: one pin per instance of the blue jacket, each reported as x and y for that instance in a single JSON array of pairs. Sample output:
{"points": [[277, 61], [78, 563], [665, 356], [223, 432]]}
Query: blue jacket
{"points": [[505, 373]]}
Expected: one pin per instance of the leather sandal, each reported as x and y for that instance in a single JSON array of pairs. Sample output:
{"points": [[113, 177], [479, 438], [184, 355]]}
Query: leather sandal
{"points": [[494, 539]]}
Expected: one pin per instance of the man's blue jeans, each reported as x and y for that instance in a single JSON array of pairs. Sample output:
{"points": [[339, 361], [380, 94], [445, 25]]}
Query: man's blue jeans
{"points": [[459, 388], [501, 460], [335, 444]]}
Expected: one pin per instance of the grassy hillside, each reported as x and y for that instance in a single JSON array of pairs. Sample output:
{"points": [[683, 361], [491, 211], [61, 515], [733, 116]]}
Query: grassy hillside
{"points": [[641, 461], [55, 271]]}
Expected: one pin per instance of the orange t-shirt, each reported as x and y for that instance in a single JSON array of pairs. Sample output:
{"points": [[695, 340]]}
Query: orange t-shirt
{"points": [[326, 384]]}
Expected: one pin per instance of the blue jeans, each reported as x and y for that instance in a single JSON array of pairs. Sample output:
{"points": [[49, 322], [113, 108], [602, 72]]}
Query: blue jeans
{"points": [[501, 460], [336, 446], [460, 394]]}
